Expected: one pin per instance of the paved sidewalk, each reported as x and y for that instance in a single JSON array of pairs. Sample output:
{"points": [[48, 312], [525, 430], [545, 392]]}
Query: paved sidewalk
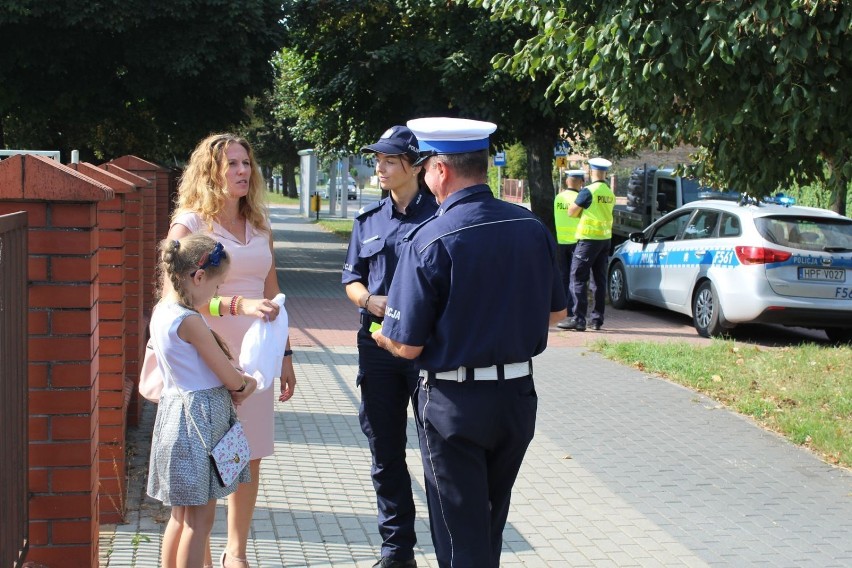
{"points": [[625, 469]]}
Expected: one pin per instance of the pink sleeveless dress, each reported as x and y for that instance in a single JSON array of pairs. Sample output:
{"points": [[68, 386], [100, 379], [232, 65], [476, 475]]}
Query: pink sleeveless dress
{"points": [[250, 264]]}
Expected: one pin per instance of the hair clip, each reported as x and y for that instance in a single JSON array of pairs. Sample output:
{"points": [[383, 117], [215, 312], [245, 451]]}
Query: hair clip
{"points": [[212, 258]]}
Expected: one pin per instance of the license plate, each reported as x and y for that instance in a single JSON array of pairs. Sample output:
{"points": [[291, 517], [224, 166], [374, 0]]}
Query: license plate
{"points": [[822, 274]]}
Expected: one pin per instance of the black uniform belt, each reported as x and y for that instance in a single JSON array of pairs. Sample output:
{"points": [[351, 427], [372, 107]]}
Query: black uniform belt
{"points": [[492, 373]]}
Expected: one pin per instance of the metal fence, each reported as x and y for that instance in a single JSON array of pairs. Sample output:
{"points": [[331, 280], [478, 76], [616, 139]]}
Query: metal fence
{"points": [[14, 514], [513, 190]]}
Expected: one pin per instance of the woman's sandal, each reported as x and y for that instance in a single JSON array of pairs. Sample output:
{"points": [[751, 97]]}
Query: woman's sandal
{"points": [[234, 558]]}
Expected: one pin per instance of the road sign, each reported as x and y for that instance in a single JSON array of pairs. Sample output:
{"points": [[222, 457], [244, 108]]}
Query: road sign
{"points": [[500, 159]]}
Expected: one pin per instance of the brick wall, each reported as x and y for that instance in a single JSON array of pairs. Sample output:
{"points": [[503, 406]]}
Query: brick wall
{"points": [[134, 321], [114, 388], [64, 360], [154, 209]]}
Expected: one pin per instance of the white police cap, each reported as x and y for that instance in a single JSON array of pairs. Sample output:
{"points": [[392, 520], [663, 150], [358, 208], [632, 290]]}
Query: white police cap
{"points": [[441, 135], [576, 173], [599, 163]]}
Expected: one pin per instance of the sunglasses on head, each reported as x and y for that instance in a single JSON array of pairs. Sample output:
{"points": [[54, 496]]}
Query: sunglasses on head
{"points": [[212, 258]]}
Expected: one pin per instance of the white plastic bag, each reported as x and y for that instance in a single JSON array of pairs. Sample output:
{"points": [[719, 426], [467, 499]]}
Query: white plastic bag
{"points": [[263, 347]]}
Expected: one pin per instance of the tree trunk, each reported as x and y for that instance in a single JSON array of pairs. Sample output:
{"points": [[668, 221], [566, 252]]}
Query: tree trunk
{"points": [[267, 176], [288, 175], [838, 184], [539, 147]]}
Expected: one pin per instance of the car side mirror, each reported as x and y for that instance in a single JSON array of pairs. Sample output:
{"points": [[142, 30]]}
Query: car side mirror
{"points": [[637, 237]]}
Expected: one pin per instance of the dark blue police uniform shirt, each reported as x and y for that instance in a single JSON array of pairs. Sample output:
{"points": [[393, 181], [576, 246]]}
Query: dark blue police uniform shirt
{"points": [[377, 237], [584, 198], [476, 285]]}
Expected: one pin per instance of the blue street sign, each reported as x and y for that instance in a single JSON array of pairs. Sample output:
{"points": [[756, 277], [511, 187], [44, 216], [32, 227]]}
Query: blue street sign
{"points": [[500, 159]]}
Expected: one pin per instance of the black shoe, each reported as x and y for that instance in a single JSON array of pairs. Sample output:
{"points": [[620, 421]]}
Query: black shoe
{"points": [[572, 324], [387, 562], [595, 326]]}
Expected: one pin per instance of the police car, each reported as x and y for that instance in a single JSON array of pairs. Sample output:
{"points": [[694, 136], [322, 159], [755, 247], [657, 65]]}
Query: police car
{"points": [[748, 261]]}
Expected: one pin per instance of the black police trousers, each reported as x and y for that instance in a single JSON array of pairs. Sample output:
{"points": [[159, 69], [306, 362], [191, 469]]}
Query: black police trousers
{"points": [[565, 257], [589, 257], [387, 384], [473, 438]]}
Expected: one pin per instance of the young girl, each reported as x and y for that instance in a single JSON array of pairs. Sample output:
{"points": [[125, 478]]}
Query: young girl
{"points": [[180, 472]]}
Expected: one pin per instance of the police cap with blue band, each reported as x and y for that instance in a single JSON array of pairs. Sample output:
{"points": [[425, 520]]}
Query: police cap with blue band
{"points": [[442, 135], [576, 174], [396, 141], [599, 163]]}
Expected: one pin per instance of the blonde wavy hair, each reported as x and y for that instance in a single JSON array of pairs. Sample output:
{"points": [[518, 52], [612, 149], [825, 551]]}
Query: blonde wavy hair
{"points": [[203, 187]]}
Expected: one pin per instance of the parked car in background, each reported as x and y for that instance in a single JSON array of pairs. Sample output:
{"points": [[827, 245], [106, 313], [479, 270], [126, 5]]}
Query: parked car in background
{"points": [[726, 263], [351, 189]]}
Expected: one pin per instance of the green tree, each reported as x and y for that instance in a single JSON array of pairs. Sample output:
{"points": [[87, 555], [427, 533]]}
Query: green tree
{"points": [[149, 77], [366, 65], [763, 87], [516, 161], [272, 121]]}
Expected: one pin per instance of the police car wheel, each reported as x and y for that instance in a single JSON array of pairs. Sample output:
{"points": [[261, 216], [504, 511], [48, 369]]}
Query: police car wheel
{"points": [[839, 334], [617, 287], [706, 311]]}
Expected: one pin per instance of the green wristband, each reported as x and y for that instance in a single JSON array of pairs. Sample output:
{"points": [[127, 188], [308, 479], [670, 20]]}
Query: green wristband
{"points": [[215, 303]]}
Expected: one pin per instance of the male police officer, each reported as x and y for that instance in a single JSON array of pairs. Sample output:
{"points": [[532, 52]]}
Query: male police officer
{"points": [[566, 229], [387, 383], [594, 205], [474, 294]]}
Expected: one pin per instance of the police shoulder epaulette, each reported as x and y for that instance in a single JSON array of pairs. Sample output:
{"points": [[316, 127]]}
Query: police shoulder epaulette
{"points": [[370, 208]]}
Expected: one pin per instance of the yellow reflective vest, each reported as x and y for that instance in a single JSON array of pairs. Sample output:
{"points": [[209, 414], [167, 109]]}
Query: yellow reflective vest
{"points": [[566, 226], [596, 221]]}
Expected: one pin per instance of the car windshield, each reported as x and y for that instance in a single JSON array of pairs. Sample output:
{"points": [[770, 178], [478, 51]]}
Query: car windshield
{"points": [[807, 233]]}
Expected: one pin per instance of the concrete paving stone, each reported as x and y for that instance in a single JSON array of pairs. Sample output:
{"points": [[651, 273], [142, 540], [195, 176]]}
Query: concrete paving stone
{"points": [[660, 475]]}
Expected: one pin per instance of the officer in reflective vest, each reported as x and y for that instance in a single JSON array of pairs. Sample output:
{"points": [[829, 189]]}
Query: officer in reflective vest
{"points": [[594, 205], [566, 229]]}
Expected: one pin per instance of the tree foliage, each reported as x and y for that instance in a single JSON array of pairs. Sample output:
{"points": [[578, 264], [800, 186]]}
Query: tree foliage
{"points": [[130, 76], [365, 65], [763, 87]]}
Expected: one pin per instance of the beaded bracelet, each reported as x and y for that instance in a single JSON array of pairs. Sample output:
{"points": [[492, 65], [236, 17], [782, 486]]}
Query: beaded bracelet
{"points": [[367, 301], [235, 302], [215, 304]]}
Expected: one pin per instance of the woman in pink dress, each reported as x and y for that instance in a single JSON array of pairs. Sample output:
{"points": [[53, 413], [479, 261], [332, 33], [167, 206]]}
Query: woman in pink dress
{"points": [[221, 193]]}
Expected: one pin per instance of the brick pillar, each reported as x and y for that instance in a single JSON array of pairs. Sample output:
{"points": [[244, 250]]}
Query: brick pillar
{"points": [[155, 214], [136, 324], [63, 354], [114, 388]]}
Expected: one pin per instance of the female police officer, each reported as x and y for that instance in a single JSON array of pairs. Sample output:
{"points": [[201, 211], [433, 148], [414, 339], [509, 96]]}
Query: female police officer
{"points": [[387, 383]]}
